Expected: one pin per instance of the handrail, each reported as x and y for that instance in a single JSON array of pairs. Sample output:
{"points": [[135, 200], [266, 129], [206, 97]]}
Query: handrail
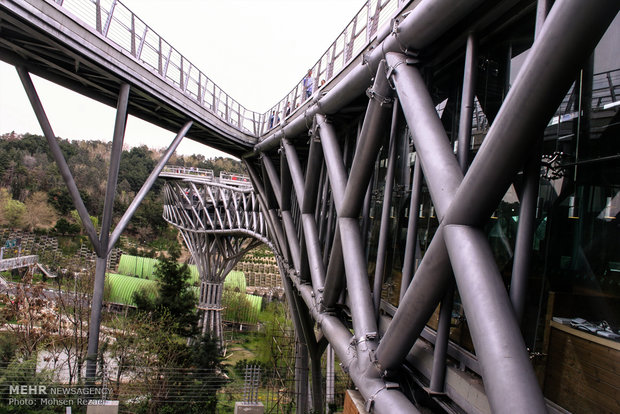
{"points": [[115, 22], [202, 175], [17, 262], [118, 24], [356, 36]]}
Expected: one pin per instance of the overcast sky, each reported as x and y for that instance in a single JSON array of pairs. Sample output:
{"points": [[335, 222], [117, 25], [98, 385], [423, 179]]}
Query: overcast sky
{"points": [[255, 50]]}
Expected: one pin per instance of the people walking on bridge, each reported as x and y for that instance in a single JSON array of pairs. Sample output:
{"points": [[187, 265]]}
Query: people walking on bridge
{"points": [[271, 119], [308, 84]]}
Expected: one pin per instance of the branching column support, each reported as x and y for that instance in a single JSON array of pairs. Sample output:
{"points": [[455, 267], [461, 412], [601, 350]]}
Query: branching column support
{"points": [[108, 205], [104, 243]]}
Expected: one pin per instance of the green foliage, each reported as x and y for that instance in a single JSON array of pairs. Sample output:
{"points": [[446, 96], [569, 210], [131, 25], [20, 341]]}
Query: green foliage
{"points": [[27, 167], [8, 349], [60, 199], [75, 216], [178, 378], [136, 165], [12, 212], [24, 372], [63, 226], [175, 295], [241, 307]]}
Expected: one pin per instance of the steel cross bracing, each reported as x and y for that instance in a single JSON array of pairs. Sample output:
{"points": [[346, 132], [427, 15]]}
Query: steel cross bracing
{"points": [[319, 241]]}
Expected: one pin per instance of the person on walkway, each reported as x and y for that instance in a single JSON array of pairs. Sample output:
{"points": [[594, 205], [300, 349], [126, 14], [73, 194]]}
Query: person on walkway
{"points": [[308, 84]]}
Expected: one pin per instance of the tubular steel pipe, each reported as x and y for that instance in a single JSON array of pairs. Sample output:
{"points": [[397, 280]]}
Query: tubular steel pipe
{"points": [[366, 213], [334, 277], [352, 249], [565, 42], [438, 373], [506, 367], [301, 377], [95, 320], [443, 176], [536, 93], [358, 288], [467, 101], [411, 242], [418, 304], [287, 219], [100, 266], [276, 233], [333, 160], [385, 215], [370, 139], [296, 172], [527, 212], [37, 106], [146, 187], [115, 161], [317, 268], [313, 174], [413, 33], [441, 170]]}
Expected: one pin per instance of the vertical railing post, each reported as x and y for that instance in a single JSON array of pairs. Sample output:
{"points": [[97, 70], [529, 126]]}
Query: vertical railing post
{"points": [[98, 16], [133, 35], [160, 59]]}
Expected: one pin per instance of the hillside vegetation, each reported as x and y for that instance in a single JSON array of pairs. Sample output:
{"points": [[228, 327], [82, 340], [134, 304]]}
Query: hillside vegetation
{"points": [[34, 197]]}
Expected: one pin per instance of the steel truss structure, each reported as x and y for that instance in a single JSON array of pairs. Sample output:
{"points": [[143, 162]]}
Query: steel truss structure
{"points": [[219, 224], [312, 176], [317, 205]]}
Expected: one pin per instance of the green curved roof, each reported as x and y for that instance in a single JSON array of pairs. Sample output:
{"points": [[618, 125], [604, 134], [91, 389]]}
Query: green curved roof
{"points": [[235, 279], [120, 288], [144, 268]]}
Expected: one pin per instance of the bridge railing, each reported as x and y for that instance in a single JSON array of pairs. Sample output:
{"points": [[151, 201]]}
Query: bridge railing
{"points": [[199, 172], [358, 34], [17, 262], [117, 23]]}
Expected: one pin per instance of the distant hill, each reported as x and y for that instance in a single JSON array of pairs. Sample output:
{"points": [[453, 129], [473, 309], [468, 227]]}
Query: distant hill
{"points": [[33, 195]]}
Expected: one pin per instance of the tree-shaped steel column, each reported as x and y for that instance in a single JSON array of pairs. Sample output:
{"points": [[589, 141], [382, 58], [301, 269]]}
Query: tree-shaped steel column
{"points": [[219, 224]]}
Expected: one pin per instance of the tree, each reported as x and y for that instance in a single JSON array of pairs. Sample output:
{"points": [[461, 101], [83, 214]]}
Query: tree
{"points": [[38, 213], [78, 221], [13, 212], [73, 304], [175, 296]]}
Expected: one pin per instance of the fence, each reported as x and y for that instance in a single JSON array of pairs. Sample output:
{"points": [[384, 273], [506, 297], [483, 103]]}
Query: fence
{"points": [[118, 24]]}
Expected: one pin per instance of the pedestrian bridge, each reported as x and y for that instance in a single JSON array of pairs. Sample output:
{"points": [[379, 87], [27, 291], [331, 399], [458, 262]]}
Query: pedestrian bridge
{"points": [[375, 187]]}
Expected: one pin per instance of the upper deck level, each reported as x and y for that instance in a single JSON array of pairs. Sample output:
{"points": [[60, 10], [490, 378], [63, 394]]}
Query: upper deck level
{"points": [[92, 47]]}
